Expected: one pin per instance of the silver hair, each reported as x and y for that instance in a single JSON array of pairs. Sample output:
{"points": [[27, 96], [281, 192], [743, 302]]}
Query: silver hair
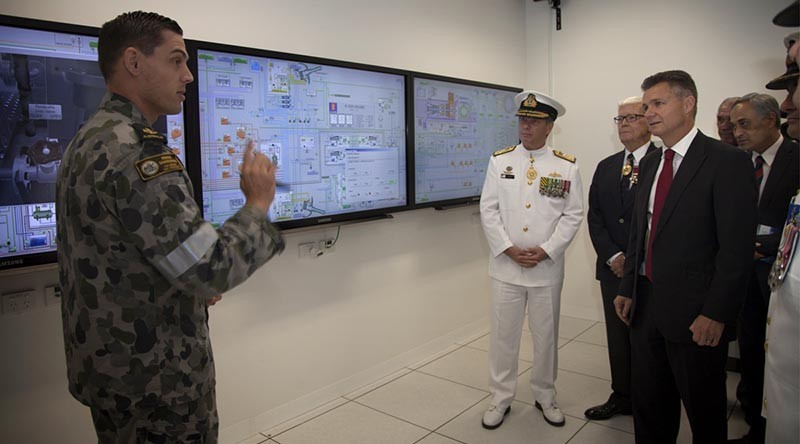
{"points": [[763, 105], [630, 100]]}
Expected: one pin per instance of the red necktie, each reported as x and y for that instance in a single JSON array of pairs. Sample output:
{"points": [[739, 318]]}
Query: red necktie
{"points": [[662, 189], [759, 172]]}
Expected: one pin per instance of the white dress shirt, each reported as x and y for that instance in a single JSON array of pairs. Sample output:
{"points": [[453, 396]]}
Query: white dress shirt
{"points": [[681, 148]]}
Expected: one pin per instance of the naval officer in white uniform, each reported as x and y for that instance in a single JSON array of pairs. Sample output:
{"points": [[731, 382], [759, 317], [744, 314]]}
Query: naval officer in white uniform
{"points": [[531, 208]]}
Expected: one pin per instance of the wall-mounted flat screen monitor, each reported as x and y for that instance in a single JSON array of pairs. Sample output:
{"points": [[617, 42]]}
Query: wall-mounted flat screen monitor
{"points": [[336, 132], [457, 126], [50, 84]]}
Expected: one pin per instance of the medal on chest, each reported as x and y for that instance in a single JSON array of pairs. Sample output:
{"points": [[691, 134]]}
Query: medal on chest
{"points": [[787, 247], [627, 169], [531, 174]]}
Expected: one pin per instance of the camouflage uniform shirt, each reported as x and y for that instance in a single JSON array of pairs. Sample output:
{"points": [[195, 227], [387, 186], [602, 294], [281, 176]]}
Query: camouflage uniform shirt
{"points": [[137, 264]]}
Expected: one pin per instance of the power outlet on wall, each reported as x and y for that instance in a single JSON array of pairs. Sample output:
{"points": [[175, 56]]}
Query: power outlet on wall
{"points": [[18, 302]]}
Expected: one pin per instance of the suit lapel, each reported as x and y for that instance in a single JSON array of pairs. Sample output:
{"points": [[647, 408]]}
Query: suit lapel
{"points": [[690, 165], [647, 174], [779, 167], [628, 202], [628, 197]]}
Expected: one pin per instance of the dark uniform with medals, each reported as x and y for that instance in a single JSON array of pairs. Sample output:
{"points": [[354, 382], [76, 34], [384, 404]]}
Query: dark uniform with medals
{"points": [[531, 198], [137, 264]]}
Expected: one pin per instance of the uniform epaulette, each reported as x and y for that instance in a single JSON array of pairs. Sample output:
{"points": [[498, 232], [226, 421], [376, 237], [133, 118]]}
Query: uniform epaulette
{"points": [[147, 134], [504, 150], [564, 156]]}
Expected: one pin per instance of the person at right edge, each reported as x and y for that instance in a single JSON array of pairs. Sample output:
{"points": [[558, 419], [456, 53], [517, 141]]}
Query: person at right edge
{"points": [[691, 248], [781, 403], [138, 265], [776, 166]]}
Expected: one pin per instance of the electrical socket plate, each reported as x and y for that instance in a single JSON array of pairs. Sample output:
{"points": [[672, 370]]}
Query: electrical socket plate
{"points": [[18, 302], [308, 249]]}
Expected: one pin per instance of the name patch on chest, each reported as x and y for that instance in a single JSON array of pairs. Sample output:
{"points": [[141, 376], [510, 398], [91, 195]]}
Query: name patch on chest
{"points": [[151, 167]]}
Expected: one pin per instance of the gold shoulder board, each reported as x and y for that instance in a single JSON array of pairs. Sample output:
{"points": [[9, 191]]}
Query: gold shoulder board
{"points": [[564, 156], [504, 150]]}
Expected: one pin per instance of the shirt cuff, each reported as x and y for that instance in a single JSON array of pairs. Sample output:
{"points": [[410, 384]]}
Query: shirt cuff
{"points": [[611, 259]]}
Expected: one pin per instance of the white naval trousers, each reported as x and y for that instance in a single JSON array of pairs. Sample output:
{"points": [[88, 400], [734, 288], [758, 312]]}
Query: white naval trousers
{"points": [[508, 314]]}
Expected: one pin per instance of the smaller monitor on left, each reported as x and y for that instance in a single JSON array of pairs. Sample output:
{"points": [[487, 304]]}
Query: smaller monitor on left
{"points": [[50, 84]]}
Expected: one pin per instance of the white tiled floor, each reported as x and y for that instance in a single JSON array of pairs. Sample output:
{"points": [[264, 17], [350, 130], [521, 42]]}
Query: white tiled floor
{"points": [[440, 400]]}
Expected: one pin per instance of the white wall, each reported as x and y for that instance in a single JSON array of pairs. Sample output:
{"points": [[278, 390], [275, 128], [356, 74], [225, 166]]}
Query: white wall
{"points": [[300, 331], [604, 51]]}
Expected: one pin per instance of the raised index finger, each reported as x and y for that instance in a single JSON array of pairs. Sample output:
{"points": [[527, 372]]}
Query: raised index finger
{"points": [[248, 151]]}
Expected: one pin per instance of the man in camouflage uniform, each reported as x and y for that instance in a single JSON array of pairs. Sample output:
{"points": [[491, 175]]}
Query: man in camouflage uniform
{"points": [[138, 264]]}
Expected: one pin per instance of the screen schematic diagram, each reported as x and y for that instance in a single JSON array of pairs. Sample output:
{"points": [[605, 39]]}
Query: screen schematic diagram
{"points": [[26, 229], [337, 135], [50, 84], [457, 127]]}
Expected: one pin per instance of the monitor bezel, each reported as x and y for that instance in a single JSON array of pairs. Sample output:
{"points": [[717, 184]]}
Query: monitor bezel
{"points": [[49, 257], [441, 203], [192, 128]]}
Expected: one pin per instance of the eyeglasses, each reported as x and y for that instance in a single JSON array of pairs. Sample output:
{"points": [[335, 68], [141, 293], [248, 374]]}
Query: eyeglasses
{"points": [[630, 118]]}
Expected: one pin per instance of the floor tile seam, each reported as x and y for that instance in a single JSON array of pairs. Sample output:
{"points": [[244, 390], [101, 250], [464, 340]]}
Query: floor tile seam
{"points": [[272, 437], [590, 343], [439, 431], [584, 374], [379, 386], [454, 382], [585, 329], [393, 416], [438, 434], [608, 426], [459, 347], [576, 433]]}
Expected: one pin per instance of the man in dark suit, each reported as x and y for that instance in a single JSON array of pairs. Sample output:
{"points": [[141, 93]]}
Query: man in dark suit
{"points": [[610, 204], [690, 251], [756, 125]]}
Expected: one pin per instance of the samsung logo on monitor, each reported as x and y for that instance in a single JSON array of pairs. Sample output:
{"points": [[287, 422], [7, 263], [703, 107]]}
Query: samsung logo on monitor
{"points": [[9, 262]]}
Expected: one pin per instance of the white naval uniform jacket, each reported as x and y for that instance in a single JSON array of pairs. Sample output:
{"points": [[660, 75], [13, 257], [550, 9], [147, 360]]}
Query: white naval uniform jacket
{"points": [[516, 213]]}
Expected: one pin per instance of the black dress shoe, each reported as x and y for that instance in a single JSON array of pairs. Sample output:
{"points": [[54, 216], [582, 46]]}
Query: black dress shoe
{"points": [[607, 410]]}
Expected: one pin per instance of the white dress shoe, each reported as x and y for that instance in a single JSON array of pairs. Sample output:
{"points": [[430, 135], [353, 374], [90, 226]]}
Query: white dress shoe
{"points": [[552, 414], [493, 417]]}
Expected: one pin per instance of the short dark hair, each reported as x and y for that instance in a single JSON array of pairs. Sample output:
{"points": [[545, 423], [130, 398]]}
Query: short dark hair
{"points": [[139, 29], [679, 81]]}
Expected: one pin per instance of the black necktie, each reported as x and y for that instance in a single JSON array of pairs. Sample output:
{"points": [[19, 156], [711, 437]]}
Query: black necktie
{"points": [[627, 171]]}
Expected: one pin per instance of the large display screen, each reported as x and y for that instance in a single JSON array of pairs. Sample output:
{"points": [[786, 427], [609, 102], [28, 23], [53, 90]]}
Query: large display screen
{"points": [[336, 133], [50, 84], [457, 127]]}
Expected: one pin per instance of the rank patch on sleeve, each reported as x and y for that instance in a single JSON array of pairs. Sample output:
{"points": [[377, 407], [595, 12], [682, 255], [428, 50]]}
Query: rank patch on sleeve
{"points": [[154, 166]]}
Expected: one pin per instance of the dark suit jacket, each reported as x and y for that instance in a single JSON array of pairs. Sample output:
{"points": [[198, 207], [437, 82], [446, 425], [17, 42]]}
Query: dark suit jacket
{"points": [[610, 210], [704, 242], [782, 183]]}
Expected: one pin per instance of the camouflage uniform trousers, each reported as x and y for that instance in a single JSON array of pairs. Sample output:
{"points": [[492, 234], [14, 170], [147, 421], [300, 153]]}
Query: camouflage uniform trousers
{"points": [[195, 422]]}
